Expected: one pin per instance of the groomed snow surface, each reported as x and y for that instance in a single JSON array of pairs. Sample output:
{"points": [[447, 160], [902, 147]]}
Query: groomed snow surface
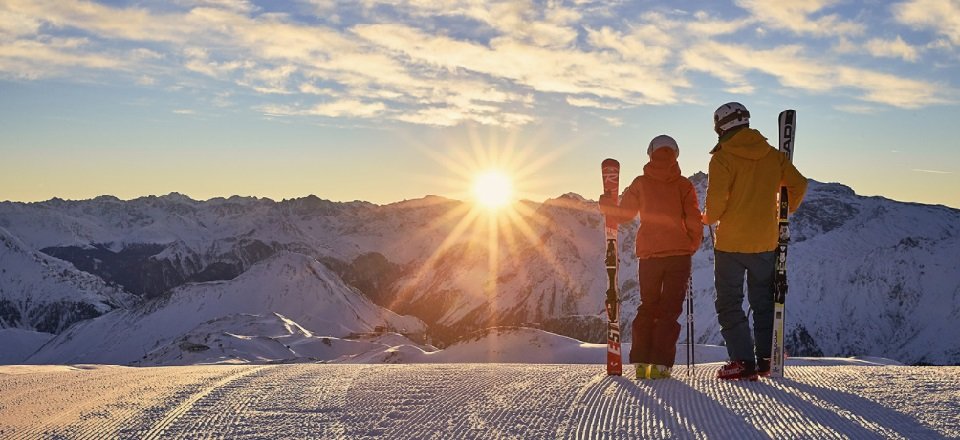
{"points": [[421, 401]]}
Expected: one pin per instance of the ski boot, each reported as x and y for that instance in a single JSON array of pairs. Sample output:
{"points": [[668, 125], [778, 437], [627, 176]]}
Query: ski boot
{"points": [[659, 372], [643, 371], [763, 367], [738, 370]]}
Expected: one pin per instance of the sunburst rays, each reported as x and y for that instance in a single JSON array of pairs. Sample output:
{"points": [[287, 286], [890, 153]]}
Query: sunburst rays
{"points": [[503, 234]]}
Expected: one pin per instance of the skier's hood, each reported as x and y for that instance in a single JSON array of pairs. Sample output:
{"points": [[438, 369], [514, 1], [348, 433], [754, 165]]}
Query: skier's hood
{"points": [[663, 166], [746, 143]]}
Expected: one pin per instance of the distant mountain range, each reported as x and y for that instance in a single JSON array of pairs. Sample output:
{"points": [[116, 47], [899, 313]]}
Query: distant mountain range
{"points": [[148, 280]]}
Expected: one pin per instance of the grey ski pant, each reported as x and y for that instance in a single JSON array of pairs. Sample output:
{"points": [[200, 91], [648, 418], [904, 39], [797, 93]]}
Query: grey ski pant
{"points": [[729, 269]]}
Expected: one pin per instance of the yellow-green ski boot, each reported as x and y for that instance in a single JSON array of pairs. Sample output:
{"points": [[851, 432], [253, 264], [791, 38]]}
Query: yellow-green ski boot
{"points": [[643, 371], [659, 372]]}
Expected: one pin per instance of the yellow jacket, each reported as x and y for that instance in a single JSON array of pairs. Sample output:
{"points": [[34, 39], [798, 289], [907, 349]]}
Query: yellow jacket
{"points": [[744, 183]]}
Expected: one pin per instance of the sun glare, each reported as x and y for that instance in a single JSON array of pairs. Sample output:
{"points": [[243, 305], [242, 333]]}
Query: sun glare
{"points": [[494, 174], [493, 189]]}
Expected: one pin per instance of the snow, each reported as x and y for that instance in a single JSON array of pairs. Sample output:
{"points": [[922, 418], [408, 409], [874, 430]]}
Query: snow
{"points": [[18, 344], [245, 338], [31, 280], [475, 401], [291, 284]]}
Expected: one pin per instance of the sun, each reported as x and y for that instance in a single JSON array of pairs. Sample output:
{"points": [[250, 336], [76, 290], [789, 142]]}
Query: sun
{"points": [[493, 181], [493, 189]]}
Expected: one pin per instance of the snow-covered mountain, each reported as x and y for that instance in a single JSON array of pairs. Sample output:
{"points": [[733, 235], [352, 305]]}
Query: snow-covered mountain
{"points": [[290, 284], [868, 276], [45, 294]]}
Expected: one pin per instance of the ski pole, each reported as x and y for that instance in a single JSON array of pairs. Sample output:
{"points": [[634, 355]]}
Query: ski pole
{"points": [[690, 347]]}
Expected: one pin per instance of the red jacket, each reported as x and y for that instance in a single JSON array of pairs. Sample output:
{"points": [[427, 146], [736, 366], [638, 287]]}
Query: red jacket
{"points": [[667, 205]]}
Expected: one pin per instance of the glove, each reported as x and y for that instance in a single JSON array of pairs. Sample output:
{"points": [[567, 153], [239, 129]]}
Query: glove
{"points": [[607, 200], [608, 204]]}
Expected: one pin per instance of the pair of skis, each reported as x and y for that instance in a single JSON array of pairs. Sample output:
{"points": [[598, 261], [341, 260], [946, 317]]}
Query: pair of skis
{"points": [[788, 125], [610, 171]]}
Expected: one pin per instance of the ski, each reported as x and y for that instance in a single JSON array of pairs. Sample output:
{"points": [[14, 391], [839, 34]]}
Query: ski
{"points": [[610, 170], [787, 130]]}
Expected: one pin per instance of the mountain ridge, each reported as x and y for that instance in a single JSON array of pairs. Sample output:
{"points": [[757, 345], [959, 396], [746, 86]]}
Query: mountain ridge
{"points": [[876, 267]]}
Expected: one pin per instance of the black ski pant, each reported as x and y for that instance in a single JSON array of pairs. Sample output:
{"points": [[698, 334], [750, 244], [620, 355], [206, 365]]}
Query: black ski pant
{"points": [[663, 287], [729, 269]]}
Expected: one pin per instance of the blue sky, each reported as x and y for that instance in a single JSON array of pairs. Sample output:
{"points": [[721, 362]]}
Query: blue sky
{"points": [[384, 100]]}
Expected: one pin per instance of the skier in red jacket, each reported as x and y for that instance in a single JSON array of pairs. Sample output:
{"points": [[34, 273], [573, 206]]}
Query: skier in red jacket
{"points": [[670, 233]]}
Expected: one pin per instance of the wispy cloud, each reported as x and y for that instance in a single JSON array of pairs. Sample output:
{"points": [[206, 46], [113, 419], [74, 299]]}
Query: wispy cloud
{"points": [[859, 109], [941, 16], [794, 68], [32, 59], [345, 107], [896, 48], [931, 171], [593, 103], [805, 17]]}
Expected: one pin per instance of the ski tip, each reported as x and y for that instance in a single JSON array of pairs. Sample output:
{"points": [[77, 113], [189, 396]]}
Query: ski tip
{"points": [[608, 162]]}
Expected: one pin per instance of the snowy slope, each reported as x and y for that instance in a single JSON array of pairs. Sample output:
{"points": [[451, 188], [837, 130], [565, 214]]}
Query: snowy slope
{"points": [[245, 338], [476, 401], [18, 344], [290, 284], [45, 294], [514, 345]]}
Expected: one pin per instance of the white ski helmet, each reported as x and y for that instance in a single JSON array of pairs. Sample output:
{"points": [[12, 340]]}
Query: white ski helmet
{"points": [[729, 115], [663, 141]]}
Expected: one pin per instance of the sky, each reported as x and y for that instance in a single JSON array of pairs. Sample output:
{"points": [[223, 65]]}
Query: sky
{"points": [[387, 100]]}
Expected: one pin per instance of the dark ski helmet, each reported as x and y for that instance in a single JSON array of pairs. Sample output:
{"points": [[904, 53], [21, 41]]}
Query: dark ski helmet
{"points": [[730, 115]]}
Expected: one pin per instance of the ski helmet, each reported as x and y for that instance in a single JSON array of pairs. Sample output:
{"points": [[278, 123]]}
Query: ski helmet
{"points": [[663, 141], [729, 115]]}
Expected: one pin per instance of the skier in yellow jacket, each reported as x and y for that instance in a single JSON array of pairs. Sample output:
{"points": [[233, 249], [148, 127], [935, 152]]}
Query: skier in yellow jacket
{"points": [[745, 177]]}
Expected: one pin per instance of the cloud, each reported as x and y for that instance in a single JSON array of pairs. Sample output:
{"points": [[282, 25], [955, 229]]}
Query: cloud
{"points": [[793, 68], [592, 103], [931, 171], [631, 46], [240, 6], [613, 121], [800, 17], [13, 24], [443, 63], [858, 109], [447, 117], [333, 109], [52, 56], [940, 16], [543, 69], [896, 48], [884, 88], [105, 21]]}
